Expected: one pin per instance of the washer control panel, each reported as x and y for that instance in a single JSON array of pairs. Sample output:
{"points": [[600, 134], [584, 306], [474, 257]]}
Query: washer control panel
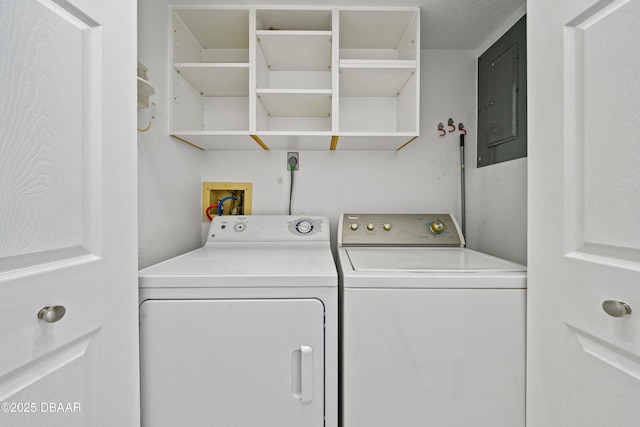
{"points": [[399, 230]]}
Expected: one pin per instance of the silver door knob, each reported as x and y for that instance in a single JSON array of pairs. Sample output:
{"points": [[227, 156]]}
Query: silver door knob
{"points": [[52, 314], [616, 308]]}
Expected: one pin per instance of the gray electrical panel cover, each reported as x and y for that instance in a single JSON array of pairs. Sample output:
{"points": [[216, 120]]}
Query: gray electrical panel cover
{"points": [[502, 98]]}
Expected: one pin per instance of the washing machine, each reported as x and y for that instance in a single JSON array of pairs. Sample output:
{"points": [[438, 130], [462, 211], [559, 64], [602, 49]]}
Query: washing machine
{"points": [[243, 331], [432, 333]]}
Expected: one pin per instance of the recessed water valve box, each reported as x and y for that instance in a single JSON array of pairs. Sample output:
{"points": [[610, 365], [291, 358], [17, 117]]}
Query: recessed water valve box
{"points": [[235, 198]]}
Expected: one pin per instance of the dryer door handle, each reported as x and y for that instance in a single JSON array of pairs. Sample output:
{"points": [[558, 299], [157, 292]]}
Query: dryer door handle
{"points": [[306, 373], [303, 374]]}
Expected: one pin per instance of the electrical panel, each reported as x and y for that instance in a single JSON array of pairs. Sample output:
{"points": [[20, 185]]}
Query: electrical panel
{"points": [[226, 198], [502, 98]]}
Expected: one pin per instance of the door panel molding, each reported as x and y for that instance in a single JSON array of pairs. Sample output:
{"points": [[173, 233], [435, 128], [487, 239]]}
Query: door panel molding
{"points": [[600, 372], [49, 158], [602, 161], [61, 385]]}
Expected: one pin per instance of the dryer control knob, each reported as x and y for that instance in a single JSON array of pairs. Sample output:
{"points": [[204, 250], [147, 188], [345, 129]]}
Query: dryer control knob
{"points": [[386, 226], [436, 227], [370, 226], [353, 226], [304, 227]]}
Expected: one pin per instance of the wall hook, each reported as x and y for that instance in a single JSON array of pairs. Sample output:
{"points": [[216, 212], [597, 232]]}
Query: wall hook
{"points": [[461, 128], [152, 110], [451, 125], [441, 129]]}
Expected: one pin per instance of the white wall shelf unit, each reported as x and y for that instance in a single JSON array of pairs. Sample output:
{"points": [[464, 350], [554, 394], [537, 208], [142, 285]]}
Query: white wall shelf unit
{"points": [[145, 89], [296, 77]]}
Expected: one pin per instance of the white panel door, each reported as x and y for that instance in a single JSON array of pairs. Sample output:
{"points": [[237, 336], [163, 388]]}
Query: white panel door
{"points": [[584, 213], [67, 209], [232, 362]]}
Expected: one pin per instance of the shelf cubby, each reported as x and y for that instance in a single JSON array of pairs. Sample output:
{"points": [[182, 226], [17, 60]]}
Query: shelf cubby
{"points": [[211, 77], [379, 78], [293, 73]]}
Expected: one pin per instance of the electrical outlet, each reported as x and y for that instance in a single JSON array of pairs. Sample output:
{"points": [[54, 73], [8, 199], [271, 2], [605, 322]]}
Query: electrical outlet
{"points": [[296, 156]]}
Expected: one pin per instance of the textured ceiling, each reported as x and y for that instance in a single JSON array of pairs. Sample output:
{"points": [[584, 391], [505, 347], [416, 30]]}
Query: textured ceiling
{"points": [[445, 24]]}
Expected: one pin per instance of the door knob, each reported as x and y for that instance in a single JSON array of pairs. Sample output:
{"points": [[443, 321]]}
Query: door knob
{"points": [[616, 308], [52, 314]]}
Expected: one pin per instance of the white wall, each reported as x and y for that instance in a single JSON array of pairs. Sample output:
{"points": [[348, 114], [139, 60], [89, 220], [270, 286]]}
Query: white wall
{"points": [[169, 194], [422, 177], [496, 194]]}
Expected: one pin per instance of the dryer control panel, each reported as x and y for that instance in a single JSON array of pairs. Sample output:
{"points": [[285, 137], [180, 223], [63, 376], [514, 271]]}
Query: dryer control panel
{"points": [[399, 230], [268, 228]]}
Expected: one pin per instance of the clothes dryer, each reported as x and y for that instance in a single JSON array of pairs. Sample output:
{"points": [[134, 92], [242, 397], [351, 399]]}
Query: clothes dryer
{"points": [[433, 334], [243, 331]]}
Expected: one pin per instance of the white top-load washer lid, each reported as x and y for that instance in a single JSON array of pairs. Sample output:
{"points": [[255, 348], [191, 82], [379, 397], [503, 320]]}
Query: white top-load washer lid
{"points": [[252, 251], [427, 268], [426, 260]]}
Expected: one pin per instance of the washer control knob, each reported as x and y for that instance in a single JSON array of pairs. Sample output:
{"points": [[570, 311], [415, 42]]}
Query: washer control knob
{"points": [[370, 226], [386, 226], [436, 227], [353, 226]]}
